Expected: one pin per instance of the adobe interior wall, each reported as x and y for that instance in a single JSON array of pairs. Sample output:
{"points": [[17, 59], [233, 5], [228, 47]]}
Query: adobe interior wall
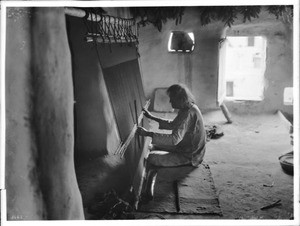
{"points": [[40, 174], [199, 69], [24, 196]]}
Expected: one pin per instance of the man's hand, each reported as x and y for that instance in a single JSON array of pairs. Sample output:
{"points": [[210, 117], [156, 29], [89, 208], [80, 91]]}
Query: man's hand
{"points": [[147, 113], [143, 132]]}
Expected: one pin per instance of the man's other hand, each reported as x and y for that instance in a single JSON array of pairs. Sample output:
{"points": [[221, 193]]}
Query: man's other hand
{"points": [[143, 132]]}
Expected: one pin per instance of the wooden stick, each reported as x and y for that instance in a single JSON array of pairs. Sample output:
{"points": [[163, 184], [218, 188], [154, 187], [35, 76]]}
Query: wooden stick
{"points": [[118, 148], [266, 185], [146, 106], [131, 112], [177, 203], [137, 122], [277, 203], [121, 149], [128, 140]]}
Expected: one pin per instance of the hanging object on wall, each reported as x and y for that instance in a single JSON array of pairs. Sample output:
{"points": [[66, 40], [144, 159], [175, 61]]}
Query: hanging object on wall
{"points": [[106, 29]]}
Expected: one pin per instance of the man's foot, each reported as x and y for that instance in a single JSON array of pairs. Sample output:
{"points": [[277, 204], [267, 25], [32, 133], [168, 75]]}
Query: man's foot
{"points": [[148, 191], [145, 199]]}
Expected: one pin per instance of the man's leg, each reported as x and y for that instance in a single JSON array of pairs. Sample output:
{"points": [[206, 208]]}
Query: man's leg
{"points": [[156, 160], [149, 183], [168, 159]]}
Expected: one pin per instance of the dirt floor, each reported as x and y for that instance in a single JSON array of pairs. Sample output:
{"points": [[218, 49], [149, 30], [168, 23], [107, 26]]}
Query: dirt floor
{"points": [[245, 160], [245, 168]]}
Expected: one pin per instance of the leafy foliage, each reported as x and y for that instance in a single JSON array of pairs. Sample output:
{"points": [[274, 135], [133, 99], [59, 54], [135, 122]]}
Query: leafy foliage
{"points": [[249, 12], [279, 10], [157, 15], [227, 14]]}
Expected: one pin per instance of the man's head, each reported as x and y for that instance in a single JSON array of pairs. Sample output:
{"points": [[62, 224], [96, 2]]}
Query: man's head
{"points": [[180, 96]]}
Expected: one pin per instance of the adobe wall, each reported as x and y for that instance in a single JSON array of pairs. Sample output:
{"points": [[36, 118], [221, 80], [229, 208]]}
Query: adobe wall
{"points": [[199, 69], [40, 175]]}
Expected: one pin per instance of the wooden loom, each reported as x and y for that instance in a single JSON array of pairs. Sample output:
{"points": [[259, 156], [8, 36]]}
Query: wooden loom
{"points": [[121, 72]]}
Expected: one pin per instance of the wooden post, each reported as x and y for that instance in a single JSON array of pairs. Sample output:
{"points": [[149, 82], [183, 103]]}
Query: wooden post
{"points": [[226, 112]]}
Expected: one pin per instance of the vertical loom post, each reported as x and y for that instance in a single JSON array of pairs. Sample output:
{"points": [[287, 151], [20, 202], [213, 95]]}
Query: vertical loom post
{"points": [[137, 122]]}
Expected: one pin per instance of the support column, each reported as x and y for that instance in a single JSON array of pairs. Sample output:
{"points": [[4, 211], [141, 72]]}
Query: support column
{"points": [[53, 109]]}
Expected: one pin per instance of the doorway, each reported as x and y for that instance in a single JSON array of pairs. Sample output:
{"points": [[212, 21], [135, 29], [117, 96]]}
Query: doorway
{"points": [[242, 64]]}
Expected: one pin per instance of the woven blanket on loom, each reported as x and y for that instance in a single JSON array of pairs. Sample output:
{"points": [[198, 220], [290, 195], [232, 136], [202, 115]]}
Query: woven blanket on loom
{"points": [[196, 192]]}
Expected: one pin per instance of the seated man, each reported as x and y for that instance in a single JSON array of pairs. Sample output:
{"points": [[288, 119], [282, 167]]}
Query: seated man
{"points": [[185, 145]]}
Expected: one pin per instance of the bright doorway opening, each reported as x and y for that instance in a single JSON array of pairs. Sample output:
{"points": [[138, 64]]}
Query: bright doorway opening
{"points": [[243, 64]]}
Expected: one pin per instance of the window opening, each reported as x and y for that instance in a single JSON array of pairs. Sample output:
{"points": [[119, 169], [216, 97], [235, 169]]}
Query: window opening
{"points": [[180, 41]]}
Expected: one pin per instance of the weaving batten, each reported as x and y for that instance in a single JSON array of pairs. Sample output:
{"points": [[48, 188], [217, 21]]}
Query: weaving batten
{"points": [[122, 149], [109, 29]]}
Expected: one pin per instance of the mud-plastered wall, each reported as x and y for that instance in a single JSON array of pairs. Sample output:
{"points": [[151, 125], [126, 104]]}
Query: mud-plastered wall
{"points": [[40, 174], [199, 69], [24, 196]]}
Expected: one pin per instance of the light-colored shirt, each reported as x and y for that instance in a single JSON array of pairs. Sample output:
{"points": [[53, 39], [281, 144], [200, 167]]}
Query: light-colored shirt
{"points": [[188, 134]]}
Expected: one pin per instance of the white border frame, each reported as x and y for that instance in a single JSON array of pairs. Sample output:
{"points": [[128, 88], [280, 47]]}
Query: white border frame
{"points": [[5, 4], [2, 113]]}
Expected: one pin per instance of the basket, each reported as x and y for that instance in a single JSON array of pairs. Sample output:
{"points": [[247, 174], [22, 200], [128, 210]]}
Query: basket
{"points": [[287, 163]]}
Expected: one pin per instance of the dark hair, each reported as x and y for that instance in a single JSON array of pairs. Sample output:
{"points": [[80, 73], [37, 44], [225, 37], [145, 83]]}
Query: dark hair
{"points": [[181, 93]]}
